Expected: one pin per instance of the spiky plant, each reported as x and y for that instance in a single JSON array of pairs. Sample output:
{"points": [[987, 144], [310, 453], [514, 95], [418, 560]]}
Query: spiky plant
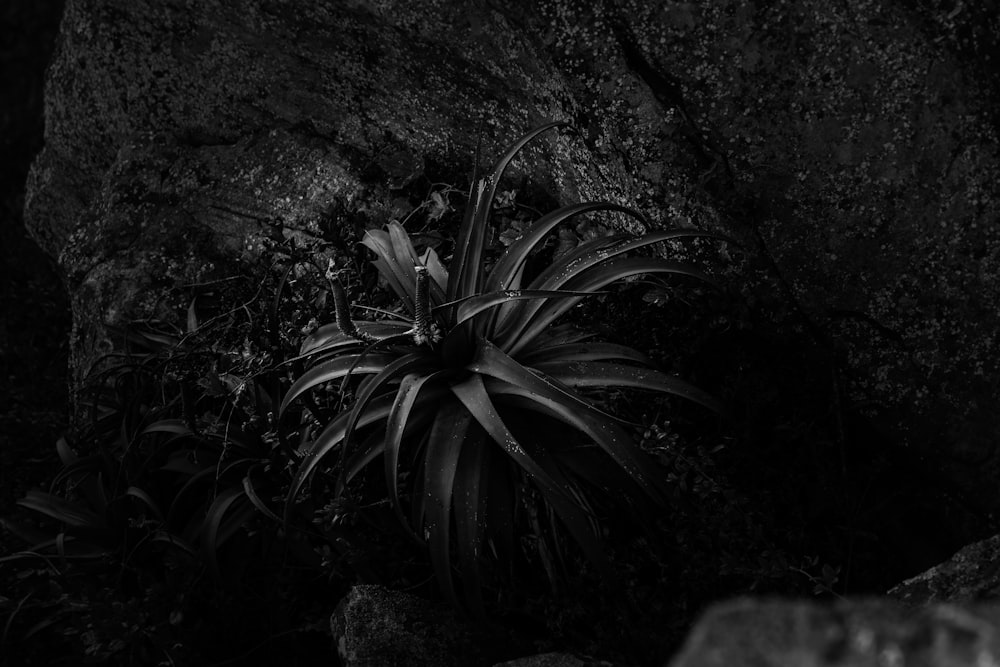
{"points": [[460, 398]]}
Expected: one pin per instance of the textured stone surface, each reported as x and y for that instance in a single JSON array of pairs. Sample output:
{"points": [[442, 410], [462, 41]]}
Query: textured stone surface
{"points": [[875, 633], [374, 626], [548, 660], [864, 156], [839, 140], [971, 575]]}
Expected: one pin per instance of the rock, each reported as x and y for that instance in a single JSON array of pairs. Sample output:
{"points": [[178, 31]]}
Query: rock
{"points": [[374, 626], [201, 132], [845, 146], [547, 660], [849, 633], [555, 659], [971, 575]]}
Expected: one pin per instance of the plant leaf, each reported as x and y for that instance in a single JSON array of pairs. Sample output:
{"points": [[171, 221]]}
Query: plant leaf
{"points": [[255, 500], [473, 395], [537, 316], [408, 258], [470, 495], [147, 500], [439, 274], [444, 446], [329, 337], [604, 432], [569, 408], [393, 372], [334, 369], [332, 436], [582, 352], [466, 268], [600, 374], [391, 267], [212, 539], [473, 305], [503, 275], [63, 510], [397, 421], [491, 361], [601, 250]]}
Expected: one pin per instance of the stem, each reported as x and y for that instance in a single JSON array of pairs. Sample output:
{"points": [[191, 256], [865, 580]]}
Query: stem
{"points": [[342, 312], [424, 329]]}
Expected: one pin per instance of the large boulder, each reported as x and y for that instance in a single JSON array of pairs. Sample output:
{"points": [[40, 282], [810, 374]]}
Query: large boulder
{"points": [[851, 151], [971, 575], [374, 626], [865, 633]]}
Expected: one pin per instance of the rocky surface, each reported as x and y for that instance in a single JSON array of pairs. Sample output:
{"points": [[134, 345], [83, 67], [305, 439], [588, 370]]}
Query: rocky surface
{"points": [[851, 147], [855, 155], [971, 575], [876, 633], [374, 626]]}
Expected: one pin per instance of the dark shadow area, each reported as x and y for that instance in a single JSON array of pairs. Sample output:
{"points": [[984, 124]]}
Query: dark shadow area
{"points": [[36, 318]]}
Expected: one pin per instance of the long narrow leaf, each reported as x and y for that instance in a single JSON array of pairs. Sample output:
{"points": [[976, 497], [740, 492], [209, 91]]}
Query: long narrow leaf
{"points": [[472, 306], [398, 419], [492, 362], [329, 337], [508, 266], [390, 266], [570, 409], [255, 500], [471, 502], [599, 251], [147, 500], [472, 393], [582, 352], [537, 317], [210, 528], [392, 373], [328, 439], [477, 401], [375, 444], [467, 258], [605, 433], [439, 274], [66, 454], [334, 369], [440, 463], [601, 374], [62, 510], [409, 259], [466, 269]]}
